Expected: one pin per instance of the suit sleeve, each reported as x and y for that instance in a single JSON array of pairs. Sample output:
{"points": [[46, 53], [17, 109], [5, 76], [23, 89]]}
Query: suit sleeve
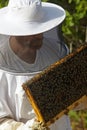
{"points": [[10, 124]]}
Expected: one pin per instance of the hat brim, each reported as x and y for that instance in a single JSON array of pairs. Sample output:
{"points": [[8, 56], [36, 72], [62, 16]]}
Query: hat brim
{"points": [[54, 15]]}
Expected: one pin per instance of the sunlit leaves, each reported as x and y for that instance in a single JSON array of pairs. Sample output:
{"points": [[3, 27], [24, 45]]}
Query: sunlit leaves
{"points": [[3, 3]]}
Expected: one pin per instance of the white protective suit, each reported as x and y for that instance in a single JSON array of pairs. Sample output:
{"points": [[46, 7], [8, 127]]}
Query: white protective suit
{"points": [[16, 113]]}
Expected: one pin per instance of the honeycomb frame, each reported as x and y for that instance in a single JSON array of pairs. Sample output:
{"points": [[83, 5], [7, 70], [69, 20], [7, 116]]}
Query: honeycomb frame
{"points": [[59, 88]]}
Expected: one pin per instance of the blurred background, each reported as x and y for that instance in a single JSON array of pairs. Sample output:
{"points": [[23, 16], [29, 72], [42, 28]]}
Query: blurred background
{"points": [[74, 30]]}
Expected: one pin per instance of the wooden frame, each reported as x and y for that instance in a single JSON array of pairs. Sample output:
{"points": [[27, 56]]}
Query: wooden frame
{"points": [[60, 87]]}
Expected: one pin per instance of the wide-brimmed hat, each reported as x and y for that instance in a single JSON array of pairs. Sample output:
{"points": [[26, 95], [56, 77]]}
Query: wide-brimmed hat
{"points": [[29, 17]]}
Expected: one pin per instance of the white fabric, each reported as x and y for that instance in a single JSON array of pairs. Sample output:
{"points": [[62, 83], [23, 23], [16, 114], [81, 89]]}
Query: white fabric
{"points": [[29, 17], [25, 11], [16, 112], [22, 3]]}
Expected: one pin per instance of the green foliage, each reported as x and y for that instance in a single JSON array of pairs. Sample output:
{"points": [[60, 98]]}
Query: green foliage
{"points": [[3, 3], [45, 0], [74, 116], [78, 119]]}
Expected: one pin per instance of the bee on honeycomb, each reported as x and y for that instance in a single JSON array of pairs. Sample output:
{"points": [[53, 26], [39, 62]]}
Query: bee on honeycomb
{"points": [[53, 91]]}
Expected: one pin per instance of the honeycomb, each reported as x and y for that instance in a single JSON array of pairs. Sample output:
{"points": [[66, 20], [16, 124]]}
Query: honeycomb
{"points": [[60, 87]]}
